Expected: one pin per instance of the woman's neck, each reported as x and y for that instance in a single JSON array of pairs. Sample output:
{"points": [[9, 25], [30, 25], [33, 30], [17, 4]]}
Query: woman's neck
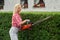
{"points": [[16, 12]]}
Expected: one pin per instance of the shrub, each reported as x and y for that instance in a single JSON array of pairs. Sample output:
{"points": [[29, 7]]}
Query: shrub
{"points": [[47, 30]]}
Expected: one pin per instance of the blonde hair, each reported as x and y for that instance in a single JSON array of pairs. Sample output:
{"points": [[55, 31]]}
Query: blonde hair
{"points": [[15, 7]]}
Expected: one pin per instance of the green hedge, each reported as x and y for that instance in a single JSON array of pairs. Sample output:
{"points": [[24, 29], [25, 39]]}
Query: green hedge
{"points": [[47, 30]]}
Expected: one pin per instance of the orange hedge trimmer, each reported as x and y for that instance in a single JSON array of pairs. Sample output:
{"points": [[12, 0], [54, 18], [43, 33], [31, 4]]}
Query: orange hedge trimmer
{"points": [[29, 24]]}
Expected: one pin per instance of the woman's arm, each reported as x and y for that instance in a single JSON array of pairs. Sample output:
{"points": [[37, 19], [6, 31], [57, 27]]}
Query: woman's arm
{"points": [[27, 20], [20, 22]]}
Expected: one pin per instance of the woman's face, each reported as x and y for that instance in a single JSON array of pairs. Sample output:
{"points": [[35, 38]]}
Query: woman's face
{"points": [[18, 8]]}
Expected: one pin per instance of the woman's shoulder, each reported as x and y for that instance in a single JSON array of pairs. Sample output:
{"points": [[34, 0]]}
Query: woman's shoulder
{"points": [[15, 14]]}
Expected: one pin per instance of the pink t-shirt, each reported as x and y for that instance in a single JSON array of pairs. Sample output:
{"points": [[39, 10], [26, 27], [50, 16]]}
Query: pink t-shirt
{"points": [[16, 19]]}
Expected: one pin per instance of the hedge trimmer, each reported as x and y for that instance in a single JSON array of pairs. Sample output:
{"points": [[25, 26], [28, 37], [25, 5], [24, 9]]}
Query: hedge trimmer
{"points": [[29, 24]]}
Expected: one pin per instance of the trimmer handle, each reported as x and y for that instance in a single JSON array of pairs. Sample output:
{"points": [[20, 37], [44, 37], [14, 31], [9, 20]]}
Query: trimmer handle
{"points": [[28, 21], [27, 26]]}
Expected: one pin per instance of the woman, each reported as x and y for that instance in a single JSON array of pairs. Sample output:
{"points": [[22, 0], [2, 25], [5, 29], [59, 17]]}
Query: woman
{"points": [[16, 22]]}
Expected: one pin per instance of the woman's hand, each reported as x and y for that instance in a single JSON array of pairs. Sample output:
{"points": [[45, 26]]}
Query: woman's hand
{"points": [[27, 20]]}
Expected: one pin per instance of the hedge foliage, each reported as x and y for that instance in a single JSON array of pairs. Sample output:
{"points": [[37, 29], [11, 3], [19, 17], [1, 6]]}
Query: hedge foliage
{"points": [[47, 30]]}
